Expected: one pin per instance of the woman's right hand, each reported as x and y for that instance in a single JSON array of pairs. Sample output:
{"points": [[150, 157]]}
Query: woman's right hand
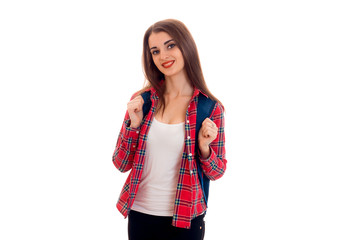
{"points": [[134, 108]]}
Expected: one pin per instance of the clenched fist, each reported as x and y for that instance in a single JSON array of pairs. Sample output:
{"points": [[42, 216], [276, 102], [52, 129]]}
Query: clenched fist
{"points": [[134, 108], [208, 133]]}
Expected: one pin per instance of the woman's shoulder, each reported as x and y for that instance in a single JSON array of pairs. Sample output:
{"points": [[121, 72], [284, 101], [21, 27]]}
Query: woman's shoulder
{"points": [[219, 108], [141, 91]]}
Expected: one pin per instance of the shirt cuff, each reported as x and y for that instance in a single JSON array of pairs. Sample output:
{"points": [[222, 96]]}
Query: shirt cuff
{"points": [[206, 160], [131, 132]]}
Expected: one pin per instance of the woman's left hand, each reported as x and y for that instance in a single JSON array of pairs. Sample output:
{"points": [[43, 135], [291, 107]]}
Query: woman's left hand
{"points": [[208, 133]]}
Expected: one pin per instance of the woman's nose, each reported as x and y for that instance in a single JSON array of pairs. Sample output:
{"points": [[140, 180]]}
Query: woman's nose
{"points": [[164, 55]]}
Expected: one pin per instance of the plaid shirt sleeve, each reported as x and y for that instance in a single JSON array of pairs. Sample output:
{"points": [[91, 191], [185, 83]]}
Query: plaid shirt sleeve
{"points": [[215, 165], [123, 157]]}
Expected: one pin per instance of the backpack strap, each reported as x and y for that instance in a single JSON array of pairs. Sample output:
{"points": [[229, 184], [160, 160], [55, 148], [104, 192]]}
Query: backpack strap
{"points": [[204, 108], [147, 102]]}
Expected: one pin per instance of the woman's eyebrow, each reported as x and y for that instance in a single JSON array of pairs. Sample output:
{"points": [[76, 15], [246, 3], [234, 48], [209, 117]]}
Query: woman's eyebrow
{"points": [[164, 43], [168, 41]]}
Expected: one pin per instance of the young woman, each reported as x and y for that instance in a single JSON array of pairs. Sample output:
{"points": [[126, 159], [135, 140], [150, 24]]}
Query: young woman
{"points": [[162, 195]]}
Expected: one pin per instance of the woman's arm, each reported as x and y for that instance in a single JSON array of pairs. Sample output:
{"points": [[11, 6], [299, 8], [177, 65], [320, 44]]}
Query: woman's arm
{"points": [[212, 158], [127, 142]]}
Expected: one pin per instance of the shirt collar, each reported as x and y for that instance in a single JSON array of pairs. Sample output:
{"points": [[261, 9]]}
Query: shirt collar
{"points": [[197, 92]]}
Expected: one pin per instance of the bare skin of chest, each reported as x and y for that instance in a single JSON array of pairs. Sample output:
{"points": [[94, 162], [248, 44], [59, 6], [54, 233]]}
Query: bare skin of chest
{"points": [[175, 110]]}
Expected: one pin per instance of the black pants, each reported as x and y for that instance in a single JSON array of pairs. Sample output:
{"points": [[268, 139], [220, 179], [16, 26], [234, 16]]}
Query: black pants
{"points": [[147, 227]]}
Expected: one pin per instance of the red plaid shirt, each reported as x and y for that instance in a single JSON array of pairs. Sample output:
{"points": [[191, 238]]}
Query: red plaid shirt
{"points": [[130, 154]]}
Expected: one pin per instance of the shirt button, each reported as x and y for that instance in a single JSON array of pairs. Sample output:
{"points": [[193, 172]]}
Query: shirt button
{"points": [[188, 137], [191, 171], [187, 121], [190, 154], [137, 131], [134, 146]]}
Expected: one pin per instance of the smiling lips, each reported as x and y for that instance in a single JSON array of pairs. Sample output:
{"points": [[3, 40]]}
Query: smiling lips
{"points": [[168, 64]]}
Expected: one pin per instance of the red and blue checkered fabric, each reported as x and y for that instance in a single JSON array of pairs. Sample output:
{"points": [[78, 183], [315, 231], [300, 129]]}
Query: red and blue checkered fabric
{"points": [[130, 150]]}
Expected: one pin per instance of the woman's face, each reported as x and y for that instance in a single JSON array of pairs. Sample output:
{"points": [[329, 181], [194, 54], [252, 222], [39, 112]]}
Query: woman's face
{"points": [[166, 54]]}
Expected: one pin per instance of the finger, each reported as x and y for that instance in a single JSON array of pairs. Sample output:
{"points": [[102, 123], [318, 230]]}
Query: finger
{"points": [[138, 100], [207, 120], [212, 132], [211, 126], [205, 133], [208, 133], [136, 105], [131, 107]]}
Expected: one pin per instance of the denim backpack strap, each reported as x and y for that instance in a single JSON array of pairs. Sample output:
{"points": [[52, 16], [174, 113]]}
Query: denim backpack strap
{"points": [[147, 102], [204, 108]]}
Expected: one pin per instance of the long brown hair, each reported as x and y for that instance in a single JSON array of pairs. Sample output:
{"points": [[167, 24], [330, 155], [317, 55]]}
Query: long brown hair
{"points": [[179, 32]]}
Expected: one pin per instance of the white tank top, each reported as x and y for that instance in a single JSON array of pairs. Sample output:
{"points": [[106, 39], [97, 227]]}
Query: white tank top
{"points": [[157, 188]]}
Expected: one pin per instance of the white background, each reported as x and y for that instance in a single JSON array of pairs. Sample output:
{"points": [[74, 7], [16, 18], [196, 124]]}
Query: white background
{"points": [[286, 71]]}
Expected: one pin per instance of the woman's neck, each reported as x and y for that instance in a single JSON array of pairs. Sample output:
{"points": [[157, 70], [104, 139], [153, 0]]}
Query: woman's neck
{"points": [[178, 85]]}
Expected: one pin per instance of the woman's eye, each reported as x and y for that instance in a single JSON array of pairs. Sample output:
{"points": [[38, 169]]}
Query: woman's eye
{"points": [[155, 52], [171, 45]]}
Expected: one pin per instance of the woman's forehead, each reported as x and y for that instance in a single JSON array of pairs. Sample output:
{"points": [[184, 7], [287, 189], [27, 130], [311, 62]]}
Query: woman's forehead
{"points": [[158, 39]]}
